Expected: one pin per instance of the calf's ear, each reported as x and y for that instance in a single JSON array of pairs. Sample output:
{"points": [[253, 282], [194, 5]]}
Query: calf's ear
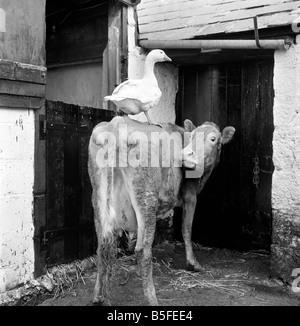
{"points": [[227, 135], [188, 125]]}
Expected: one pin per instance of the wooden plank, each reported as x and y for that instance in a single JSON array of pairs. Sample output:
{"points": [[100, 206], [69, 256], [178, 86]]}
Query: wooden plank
{"points": [[247, 13], [39, 223], [7, 69], [160, 14], [216, 18], [178, 23], [265, 135], [55, 112], [22, 72], [257, 133], [188, 7], [40, 153], [71, 113], [30, 74], [281, 18], [13, 101], [198, 11], [39, 192], [22, 88], [71, 178], [226, 17], [55, 251], [55, 179], [250, 94], [201, 8], [218, 28], [70, 228], [175, 34]]}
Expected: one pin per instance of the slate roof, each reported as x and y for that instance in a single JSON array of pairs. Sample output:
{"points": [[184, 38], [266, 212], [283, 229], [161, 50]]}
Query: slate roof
{"points": [[188, 19]]}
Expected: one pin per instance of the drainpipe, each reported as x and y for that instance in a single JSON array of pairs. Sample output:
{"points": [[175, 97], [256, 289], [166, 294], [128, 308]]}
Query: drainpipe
{"points": [[278, 44]]}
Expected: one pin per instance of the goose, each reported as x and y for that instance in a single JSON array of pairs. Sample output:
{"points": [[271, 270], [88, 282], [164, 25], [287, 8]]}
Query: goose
{"points": [[139, 95]]}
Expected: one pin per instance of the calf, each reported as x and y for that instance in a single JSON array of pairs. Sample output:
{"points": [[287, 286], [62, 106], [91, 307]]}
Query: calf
{"points": [[132, 197]]}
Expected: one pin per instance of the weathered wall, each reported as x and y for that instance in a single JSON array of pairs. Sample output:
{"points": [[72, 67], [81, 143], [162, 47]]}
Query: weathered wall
{"points": [[80, 84], [22, 40], [16, 200], [24, 37], [286, 178], [167, 76]]}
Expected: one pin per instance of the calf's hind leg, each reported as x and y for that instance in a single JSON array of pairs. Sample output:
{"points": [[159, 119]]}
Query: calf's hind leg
{"points": [[146, 221], [106, 252], [143, 190], [144, 259]]}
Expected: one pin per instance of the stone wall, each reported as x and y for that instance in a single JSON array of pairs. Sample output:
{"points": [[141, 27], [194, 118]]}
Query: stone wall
{"points": [[286, 178], [16, 197], [23, 77]]}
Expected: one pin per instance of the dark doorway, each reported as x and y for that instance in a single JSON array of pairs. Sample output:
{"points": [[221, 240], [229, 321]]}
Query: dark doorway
{"points": [[234, 209]]}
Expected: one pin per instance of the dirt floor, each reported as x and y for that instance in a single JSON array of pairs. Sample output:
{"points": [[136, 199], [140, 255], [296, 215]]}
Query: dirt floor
{"points": [[229, 278]]}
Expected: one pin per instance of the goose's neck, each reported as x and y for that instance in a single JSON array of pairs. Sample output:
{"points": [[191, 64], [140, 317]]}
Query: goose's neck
{"points": [[149, 69]]}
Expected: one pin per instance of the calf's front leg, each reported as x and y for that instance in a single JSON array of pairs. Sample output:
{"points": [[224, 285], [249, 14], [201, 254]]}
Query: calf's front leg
{"points": [[189, 205]]}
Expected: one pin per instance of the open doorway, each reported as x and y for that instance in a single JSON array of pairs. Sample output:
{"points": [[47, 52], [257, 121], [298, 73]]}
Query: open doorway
{"points": [[234, 210]]}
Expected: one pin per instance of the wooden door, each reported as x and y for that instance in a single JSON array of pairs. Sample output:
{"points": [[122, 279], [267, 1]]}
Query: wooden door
{"points": [[69, 230], [234, 209]]}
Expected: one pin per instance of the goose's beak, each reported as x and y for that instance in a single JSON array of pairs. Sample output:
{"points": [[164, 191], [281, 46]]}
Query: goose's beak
{"points": [[166, 58]]}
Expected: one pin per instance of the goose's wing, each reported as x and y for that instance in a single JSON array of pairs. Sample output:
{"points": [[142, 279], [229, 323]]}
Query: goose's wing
{"points": [[137, 89], [130, 88]]}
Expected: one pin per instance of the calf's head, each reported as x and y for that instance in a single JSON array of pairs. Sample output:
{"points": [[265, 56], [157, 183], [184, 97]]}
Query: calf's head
{"points": [[206, 154]]}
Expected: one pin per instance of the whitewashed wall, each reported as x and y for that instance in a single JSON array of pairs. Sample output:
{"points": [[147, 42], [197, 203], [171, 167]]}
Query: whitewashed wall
{"points": [[286, 178], [166, 74], [16, 197]]}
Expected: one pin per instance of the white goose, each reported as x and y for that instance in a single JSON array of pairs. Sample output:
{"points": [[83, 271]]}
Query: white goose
{"points": [[139, 95]]}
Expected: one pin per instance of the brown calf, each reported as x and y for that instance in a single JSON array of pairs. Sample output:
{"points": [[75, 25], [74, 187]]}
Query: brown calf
{"points": [[132, 197]]}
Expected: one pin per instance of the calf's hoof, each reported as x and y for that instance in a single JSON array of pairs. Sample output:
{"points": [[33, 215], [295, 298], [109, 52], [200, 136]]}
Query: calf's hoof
{"points": [[100, 301]]}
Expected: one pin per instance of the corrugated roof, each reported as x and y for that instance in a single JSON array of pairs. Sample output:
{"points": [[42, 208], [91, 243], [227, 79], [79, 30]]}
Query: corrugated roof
{"points": [[187, 19]]}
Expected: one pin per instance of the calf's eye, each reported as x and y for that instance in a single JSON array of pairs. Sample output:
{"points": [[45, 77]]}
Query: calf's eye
{"points": [[213, 139]]}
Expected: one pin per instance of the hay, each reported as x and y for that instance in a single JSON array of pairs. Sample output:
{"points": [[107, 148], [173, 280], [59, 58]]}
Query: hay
{"points": [[182, 280], [231, 284], [125, 264], [123, 267], [66, 276]]}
